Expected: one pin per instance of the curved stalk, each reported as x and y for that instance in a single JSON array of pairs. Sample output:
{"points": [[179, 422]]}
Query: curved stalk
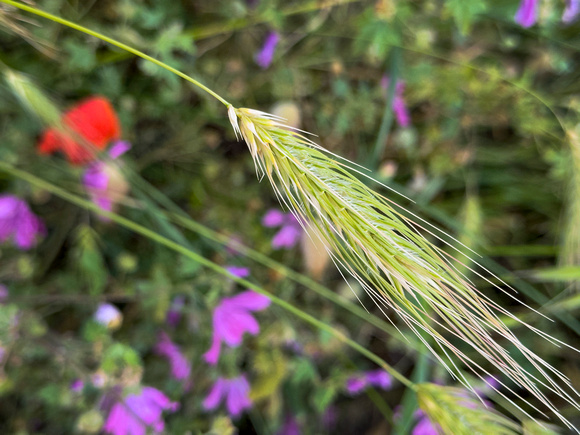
{"points": [[139, 229], [116, 43]]}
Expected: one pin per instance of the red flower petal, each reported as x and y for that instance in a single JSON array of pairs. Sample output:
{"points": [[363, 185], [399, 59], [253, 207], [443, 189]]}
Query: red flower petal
{"points": [[94, 120]]}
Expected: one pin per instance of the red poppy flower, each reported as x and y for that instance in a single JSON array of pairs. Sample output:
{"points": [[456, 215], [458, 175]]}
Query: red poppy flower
{"points": [[91, 125]]}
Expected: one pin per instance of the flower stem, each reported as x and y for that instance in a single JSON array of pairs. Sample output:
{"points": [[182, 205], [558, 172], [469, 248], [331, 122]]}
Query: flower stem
{"points": [[114, 42], [174, 246]]}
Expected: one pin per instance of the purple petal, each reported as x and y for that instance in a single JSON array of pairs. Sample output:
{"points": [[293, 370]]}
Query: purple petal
{"points": [[425, 427], [250, 300], [234, 324], [95, 176], [571, 11], [213, 354], [180, 367], [401, 112], [492, 381], [273, 218], [265, 56], [240, 272], [77, 386], [238, 396], [287, 237], [119, 148], [159, 399], [527, 13], [174, 313], [4, 293], [17, 220], [290, 427], [219, 389], [107, 315], [356, 384], [379, 378], [122, 422]]}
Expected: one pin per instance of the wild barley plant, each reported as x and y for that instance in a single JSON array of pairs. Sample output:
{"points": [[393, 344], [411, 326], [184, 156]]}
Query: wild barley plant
{"points": [[396, 265], [368, 235]]}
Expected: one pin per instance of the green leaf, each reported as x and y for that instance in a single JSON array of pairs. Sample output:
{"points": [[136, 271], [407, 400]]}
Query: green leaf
{"points": [[89, 260], [464, 12], [323, 397], [117, 357]]}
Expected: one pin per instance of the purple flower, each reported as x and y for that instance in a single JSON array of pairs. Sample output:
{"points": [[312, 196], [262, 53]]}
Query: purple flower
{"points": [[329, 417], [180, 367], [77, 386], [264, 57], [235, 391], [239, 272], [231, 318], [571, 11], [174, 312], [375, 378], [273, 218], [137, 412], [527, 13], [399, 107], [289, 234], [104, 182], [425, 427], [3, 293], [108, 315], [19, 223], [290, 426]]}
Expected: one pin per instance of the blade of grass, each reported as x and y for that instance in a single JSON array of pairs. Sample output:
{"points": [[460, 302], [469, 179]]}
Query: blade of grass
{"points": [[174, 246]]}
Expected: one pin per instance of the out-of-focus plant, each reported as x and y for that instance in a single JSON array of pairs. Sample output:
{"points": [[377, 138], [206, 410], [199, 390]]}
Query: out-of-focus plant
{"points": [[154, 283]]}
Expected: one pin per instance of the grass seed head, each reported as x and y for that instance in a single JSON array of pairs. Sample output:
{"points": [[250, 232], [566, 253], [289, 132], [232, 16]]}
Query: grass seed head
{"points": [[401, 271]]}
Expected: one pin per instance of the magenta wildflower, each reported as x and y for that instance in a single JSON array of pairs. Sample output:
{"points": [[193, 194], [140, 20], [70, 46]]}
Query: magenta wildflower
{"points": [[375, 378], [137, 412], [290, 426], [399, 106], [239, 272], [108, 315], [265, 56], [77, 386], [571, 12], [290, 233], [232, 318], [174, 313], [17, 222], [329, 417], [235, 391], [527, 13], [424, 426], [180, 367], [104, 182], [3, 293]]}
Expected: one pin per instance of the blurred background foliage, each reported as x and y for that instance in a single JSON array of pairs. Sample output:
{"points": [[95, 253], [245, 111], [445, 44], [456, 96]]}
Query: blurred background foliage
{"points": [[490, 154]]}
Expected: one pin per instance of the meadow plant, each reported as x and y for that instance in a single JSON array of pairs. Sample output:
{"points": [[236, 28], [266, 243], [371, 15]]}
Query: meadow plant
{"points": [[373, 378], [404, 265], [232, 319], [137, 412], [180, 366], [235, 392], [527, 13], [18, 223]]}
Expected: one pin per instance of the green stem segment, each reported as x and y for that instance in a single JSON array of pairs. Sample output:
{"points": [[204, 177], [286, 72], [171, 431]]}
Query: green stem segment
{"points": [[114, 42], [139, 229]]}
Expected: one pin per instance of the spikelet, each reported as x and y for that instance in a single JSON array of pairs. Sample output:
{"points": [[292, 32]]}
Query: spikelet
{"points": [[399, 269], [457, 412], [11, 21]]}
